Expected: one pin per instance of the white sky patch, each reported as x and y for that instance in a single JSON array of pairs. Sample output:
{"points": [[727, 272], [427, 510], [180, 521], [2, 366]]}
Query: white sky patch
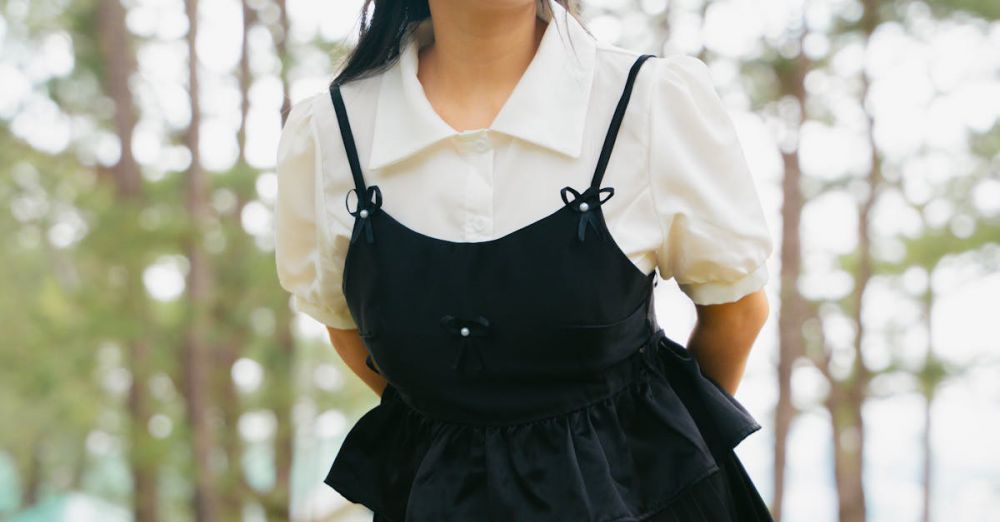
{"points": [[330, 424], [328, 377], [147, 143], [831, 220], [248, 374], [732, 28], [219, 147], [57, 54], [257, 426], [320, 18], [262, 137], [42, 124], [986, 196], [893, 215], [163, 87], [257, 219], [809, 486], [164, 279], [965, 320], [263, 60], [964, 439], [15, 89], [267, 187], [892, 456], [832, 152], [220, 35], [163, 19]]}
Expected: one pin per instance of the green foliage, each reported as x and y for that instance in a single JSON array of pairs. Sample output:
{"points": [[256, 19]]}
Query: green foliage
{"points": [[986, 9]]}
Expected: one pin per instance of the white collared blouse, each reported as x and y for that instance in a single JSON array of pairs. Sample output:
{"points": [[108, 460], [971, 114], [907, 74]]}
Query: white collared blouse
{"points": [[684, 203]]}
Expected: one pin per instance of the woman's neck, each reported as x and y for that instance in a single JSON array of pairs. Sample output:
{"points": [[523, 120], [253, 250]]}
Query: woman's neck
{"points": [[479, 52]]}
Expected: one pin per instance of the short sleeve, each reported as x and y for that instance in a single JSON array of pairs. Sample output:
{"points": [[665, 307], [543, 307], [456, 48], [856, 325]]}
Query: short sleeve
{"points": [[305, 267], [714, 238]]}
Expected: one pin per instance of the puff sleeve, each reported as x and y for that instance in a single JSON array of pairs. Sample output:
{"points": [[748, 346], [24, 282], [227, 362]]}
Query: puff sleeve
{"points": [[714, 238], [312, 278]]}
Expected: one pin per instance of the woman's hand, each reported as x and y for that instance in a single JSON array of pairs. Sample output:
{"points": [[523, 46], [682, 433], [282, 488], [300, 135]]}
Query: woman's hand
{"points": [[353, 351], [722, 338]]}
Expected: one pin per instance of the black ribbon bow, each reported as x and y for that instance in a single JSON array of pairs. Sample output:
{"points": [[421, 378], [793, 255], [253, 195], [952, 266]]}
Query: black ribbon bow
{"points": [[478, 327], [366, 208], [583, 203]]}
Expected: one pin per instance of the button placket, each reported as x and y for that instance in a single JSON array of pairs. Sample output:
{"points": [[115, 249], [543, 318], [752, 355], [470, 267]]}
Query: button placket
{"points": [[478, 203], [478, 185], [481, 144]]}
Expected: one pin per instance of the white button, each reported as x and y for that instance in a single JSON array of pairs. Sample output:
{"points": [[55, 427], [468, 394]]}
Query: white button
{"points": [[363, 213], [465, 331], [584, 206], [474, 140]]}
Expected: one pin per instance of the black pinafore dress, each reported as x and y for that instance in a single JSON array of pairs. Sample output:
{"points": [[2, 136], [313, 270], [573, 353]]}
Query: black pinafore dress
{"points": [[528, 380]]}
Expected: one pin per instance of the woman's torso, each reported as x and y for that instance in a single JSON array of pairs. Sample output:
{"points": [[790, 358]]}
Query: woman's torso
{"points": [[480, 185], [684, 202]]}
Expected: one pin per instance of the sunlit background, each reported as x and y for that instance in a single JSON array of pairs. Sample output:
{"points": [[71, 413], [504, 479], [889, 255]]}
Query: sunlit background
{"points": [[152, 369]]}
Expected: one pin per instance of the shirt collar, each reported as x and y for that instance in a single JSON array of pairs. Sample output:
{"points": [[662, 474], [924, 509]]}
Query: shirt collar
{"points": [[547, 107]]}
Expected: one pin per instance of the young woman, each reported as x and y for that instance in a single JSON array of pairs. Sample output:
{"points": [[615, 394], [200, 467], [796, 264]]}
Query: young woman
{"points": [[477, 209]]}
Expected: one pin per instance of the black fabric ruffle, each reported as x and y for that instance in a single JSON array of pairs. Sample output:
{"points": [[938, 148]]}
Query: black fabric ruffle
{"points": [[724, 496], [648, 449], [720, 417]]}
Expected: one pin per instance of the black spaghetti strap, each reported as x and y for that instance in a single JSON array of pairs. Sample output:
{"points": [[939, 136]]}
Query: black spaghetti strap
{"points": [[369, 198], [348, 137], [588, 202], [616, 121]]}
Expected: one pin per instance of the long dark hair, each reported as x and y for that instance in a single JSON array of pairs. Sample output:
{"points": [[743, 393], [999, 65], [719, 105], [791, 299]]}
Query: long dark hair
{"points": [[379, 39]]}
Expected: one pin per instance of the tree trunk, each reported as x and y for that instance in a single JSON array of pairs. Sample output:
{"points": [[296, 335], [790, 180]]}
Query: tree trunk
{"points": [[929, 384], [234, 485], [196, 362], [848, 395], [281, 399], [848, 451], [281, 45], [119, 65], [927, 456], [30, 492], [794, 312], [283, 393]]}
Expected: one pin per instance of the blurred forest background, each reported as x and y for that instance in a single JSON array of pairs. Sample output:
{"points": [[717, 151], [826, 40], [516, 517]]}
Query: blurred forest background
{"points": [[151, 368]]}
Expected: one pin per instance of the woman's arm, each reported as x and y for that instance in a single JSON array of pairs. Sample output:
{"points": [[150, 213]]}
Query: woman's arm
{"points": [[353, 351], [309, 263], [724, 334]]}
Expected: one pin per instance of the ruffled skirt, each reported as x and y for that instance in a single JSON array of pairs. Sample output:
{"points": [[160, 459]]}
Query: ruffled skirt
{"points": [[659, 449]]}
